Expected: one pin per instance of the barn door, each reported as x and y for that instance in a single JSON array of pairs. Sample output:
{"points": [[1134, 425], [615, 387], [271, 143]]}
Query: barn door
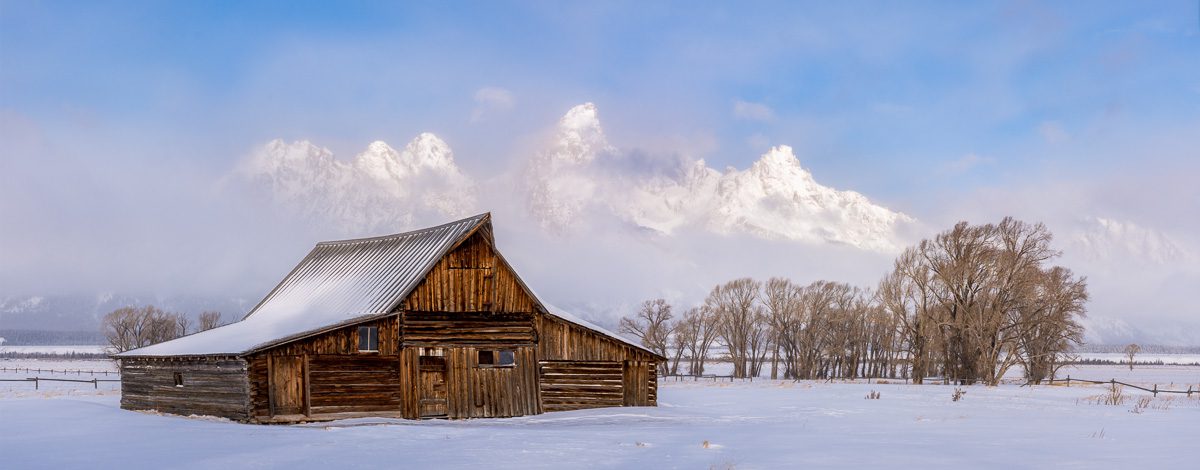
{"points": [[287, 385], [432, 385]]}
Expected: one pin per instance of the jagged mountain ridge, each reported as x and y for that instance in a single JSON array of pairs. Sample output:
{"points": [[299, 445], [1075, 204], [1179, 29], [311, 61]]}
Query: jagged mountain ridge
{"points": [[775, 198], [380, 189], [579, 175]]}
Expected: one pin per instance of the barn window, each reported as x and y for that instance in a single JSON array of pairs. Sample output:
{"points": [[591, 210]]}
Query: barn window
{"points": [[368, 339], [179, 379], [501, 358]]}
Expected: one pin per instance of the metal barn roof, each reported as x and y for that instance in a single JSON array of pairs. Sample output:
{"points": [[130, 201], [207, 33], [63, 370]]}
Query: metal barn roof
{"points": [[338, 283]]}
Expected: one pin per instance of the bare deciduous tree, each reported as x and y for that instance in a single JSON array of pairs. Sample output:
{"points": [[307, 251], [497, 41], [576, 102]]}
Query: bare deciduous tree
{"points": [[969, 304], [1130, 351], [1045, 321], [781, 301], [209, 320], [129, 328], [652, 326], [699, 330], [183, 324], [740, 322]]}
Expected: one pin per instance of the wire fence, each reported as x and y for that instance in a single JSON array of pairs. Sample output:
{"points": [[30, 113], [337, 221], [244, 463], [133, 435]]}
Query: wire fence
{"points": [[1155, 390], [38, 380], [36, 370], [697, 378]]}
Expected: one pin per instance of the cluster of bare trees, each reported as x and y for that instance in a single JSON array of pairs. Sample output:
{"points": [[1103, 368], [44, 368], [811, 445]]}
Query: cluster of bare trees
{"points": [[824, 329], [134, 327], [967, 305], [977, 300]]}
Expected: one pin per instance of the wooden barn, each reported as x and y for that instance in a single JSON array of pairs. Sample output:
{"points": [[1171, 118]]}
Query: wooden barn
{"points": [[432, 323]]}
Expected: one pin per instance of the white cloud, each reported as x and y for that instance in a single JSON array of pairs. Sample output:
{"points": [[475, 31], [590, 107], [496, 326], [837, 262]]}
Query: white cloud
{"points": [[752, 111], [1106, 240], [1052, 132], [489, 100]]}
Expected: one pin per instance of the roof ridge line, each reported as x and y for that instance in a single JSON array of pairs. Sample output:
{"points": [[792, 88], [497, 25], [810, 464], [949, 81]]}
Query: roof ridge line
{"points": [[401, 234]]}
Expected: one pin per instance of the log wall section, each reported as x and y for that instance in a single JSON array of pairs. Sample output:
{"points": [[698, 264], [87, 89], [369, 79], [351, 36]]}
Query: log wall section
{"points": [[577, 385], [211, 386], [468, 328], [568, 352], [353, 384]]}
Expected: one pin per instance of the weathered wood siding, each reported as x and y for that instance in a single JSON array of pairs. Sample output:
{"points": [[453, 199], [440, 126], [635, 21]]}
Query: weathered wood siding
{"points": [[562, 341], [282, 382], [344, 341], [576, 385], [260, 387], [568, 353], [353, 384], [288, 392], [637, 382], [470, 278], [211, 386], [468, 328], [472, 391]]}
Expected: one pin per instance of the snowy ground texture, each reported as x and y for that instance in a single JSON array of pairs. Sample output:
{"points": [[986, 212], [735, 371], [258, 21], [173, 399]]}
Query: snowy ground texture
{"points": [[765, 424]]}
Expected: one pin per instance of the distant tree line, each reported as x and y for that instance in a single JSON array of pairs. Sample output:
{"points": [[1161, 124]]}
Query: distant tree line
{"points": [[24, 337], [132, 327], [967, 305], [1142, 348]]}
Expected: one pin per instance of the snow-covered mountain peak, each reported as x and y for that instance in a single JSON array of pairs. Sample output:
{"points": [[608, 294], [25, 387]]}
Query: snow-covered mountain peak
{"points": [[581, 118], [429, 151], [380, 147], [580, 136], [379, 190], [774, 198], [425, 153], [780, 164]]}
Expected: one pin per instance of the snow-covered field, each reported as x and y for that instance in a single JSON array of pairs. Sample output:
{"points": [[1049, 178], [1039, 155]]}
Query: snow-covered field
{"points": [[78, 349], [765, 424]]}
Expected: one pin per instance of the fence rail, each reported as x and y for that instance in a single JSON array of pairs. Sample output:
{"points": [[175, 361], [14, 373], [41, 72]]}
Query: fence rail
{"points": [[1154, 390], [37, 381], [1154, 387], [695, 378], [36, 370]]}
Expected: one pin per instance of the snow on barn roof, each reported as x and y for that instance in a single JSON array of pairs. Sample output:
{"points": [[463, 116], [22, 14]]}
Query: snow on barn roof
{"points": [[338, 283]]}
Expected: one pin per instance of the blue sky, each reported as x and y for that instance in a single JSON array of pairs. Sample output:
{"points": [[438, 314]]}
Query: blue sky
{"points": [[893, 86], [120, 116]]}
